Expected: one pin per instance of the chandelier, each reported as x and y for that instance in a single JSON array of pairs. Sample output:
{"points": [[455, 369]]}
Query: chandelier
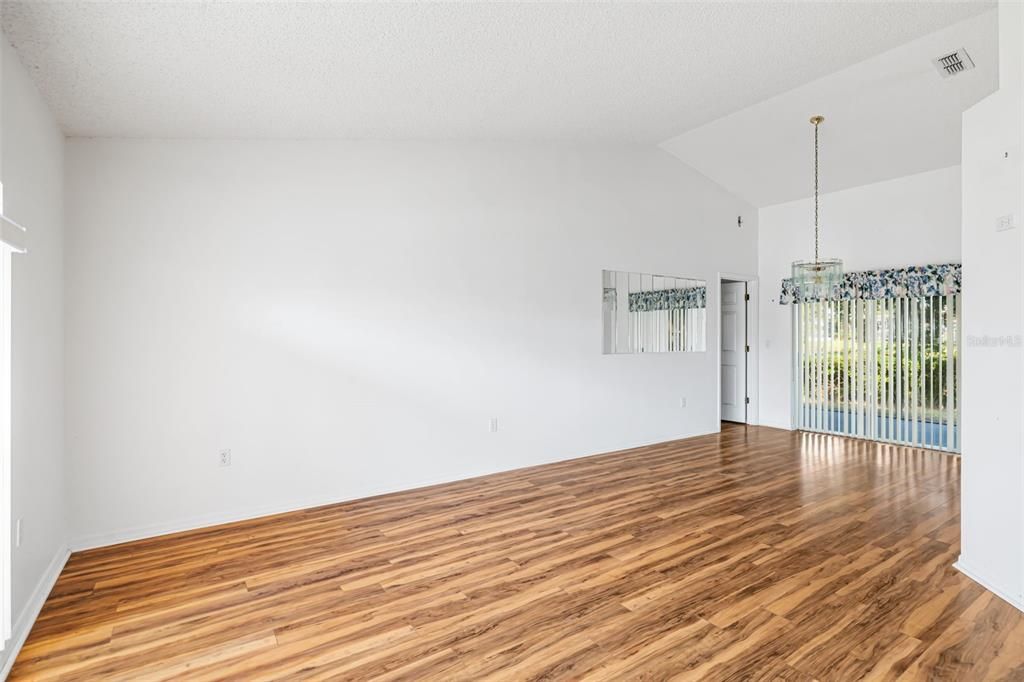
{"points": [[816, 279]]}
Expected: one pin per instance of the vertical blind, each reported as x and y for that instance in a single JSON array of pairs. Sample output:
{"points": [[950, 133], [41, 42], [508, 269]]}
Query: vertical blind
{"points": [[667, 331], [887, 369]]}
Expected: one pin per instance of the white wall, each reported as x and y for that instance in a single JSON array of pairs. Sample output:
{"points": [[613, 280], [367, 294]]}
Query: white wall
{"points": [[992, 548], [33, 152], [912, 220], [346, 317]]}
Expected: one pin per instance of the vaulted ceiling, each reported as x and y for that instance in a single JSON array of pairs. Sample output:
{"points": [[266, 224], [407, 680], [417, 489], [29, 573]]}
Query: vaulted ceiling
{"points": [[885, 117], [610, 72]]}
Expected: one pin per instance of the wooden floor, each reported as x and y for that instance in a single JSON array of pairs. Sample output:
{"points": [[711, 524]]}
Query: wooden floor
{"points": [[754, 554]]}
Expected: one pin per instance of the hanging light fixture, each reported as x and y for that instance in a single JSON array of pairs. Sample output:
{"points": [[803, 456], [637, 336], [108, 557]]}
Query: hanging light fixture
{"points": [[816, 279]]}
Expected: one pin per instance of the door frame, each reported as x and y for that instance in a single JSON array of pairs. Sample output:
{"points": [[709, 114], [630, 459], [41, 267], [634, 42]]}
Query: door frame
{"points": [[752, 341]]}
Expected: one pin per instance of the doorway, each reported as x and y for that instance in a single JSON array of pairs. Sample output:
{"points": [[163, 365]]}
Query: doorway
{"points": [[737, 333]]}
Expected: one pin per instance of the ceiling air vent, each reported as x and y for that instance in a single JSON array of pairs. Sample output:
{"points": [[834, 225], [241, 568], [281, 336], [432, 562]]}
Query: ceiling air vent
{"points": [[953, 63]]}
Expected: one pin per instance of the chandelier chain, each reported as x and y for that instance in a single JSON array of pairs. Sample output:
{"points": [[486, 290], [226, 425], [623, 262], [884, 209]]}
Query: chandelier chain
{"points": [[816, 124]]}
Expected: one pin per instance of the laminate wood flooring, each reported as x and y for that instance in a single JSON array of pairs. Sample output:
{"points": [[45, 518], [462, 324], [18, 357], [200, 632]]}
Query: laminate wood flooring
{"points": [[756, 553]]}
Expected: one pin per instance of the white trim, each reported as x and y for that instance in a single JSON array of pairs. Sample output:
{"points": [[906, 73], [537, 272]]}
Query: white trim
{"points": [[753, 318], [27, 617], [775, 425], [1019, 210], [206, 521], [13, 235], [6, 515], [1015, 601]]}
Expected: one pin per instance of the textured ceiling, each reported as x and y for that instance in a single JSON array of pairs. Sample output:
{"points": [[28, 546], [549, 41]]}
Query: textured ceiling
{"points": [[633, 72], [888, 116]]}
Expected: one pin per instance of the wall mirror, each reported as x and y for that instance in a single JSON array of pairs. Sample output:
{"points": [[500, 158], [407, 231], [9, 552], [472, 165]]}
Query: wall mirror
{"points": [[653, 313]]}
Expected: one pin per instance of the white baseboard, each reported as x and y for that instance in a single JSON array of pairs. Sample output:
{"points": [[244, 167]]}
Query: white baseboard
{"points": [[197, 522], [27, 618], [205, 521], [1014, 601], [773, 425]]}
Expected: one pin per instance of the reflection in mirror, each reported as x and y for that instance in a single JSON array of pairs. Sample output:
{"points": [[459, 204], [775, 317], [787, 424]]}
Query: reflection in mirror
{"points": [[653, 313]]}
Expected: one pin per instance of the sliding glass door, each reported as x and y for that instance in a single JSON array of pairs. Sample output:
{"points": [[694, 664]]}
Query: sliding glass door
{"points": [[887, 369]]}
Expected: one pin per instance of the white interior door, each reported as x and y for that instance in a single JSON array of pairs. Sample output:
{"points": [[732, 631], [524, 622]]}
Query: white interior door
{"points": [[734, 351]]}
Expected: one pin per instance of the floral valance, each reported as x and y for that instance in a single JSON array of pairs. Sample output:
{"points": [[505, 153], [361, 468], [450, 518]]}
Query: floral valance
{"points": [[913, 282], [668, 299]]}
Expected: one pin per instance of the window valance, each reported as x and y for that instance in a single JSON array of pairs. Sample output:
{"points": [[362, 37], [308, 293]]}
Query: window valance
{"points": [[912, 282], [668, 299]]}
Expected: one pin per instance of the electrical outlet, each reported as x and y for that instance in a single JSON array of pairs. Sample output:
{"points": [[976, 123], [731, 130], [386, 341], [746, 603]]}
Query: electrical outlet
{"points": [[225, 458], [17, 533], [1004, 223], [494, 425], [682, 402]]}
